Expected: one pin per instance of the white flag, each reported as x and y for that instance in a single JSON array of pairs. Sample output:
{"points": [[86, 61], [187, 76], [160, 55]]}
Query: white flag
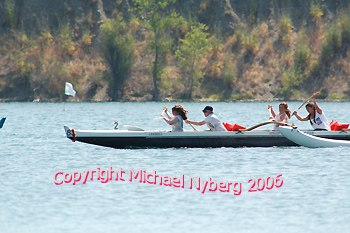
{"points": [[69, 89]]}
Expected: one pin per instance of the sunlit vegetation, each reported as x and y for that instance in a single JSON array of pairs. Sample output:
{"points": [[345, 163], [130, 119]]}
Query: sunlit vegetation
{"points": [[156, 50]]}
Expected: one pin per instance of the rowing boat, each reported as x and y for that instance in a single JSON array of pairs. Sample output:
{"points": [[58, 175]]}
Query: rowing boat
{"points": [[307, 140], [136, 138]]}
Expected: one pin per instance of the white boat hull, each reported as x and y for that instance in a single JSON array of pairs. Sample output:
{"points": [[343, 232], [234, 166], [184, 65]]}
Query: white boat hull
{"points": [[166, 139], [307, 140]]}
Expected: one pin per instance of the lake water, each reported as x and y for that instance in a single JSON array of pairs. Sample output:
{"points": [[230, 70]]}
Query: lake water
{"points": [[314, 196]]}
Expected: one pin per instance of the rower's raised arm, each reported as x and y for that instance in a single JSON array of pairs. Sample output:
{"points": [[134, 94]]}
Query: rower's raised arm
{"points": [[317, 108], [272, 111]]}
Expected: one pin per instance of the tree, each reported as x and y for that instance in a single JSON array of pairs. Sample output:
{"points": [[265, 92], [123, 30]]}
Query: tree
{"points": [[158, 20], [193, 47], [118, 48]]}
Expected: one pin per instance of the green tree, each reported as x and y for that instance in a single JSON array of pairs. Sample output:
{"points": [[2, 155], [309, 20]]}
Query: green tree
{"points": [[195, 45], [156, 17], [118, 48]]}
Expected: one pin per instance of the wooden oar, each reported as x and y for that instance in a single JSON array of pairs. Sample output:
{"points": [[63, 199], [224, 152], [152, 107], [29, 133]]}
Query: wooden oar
{"points": [[256, 126], [271, 116], [302, 105], [192, 127], [161, 115], [266, 123], [270, 110]]}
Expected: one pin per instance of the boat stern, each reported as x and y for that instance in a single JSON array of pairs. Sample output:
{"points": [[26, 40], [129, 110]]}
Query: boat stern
{"points": [[2, 122], [70, 133]]}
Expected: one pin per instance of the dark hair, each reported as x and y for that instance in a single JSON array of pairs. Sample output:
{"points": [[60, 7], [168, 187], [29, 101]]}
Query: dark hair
{"points": [[288, 112], [311, 105], [180, 110], [208, 108]]}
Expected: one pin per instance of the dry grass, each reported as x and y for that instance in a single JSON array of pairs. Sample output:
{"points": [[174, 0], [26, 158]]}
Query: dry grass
{"points": [[252, 63]]}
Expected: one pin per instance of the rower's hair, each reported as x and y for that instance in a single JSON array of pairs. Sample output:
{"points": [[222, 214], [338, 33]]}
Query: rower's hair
{"points": [[180, 110], [288, 112], [311, 105]]}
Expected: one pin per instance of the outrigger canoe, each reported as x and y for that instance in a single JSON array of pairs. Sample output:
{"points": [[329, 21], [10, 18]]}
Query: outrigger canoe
{"points": [[136, 137], [307, 140]]}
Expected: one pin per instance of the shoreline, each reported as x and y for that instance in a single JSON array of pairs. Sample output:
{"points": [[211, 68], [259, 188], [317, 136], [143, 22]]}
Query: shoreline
{"points": [[167, 101]]}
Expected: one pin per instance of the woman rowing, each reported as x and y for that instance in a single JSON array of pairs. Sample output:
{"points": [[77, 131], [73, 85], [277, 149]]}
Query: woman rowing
{"points": [[317, 118], [176, 120], [282, 116]]}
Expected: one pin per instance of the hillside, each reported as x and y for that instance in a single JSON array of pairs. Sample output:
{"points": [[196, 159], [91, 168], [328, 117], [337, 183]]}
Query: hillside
{"points": [[254, 49]]}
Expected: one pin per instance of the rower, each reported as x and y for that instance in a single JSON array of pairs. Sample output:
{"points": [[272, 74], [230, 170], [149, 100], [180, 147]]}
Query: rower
{"points": [[213, 123], [282, 116], [317, 118]]}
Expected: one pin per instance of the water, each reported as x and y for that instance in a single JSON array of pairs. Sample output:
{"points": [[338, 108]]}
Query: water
{"points": [[314, 197]]}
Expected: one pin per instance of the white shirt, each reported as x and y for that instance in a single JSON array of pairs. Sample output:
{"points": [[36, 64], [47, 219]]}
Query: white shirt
{"points": [[214, 123], [278, 118], [320, 122], [178, 126]]}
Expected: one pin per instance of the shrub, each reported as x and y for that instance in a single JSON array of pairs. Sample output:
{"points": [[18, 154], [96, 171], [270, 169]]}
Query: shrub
{"points": [[327, 52], [23, 66], [66, 41], [134, 25], [242, 96], [290, 80], [269, 47], [316, 12], [236, 40], [287, 59], [323, 94], [302, 55], [118, 49], [344, 25], [46, 38], [230, 75], [263, 30], [331, 45], [86, 39], [285, 30], [251, 44], [216, 97], [315, 67], [10, 12], [334, 96], [334, 38]]}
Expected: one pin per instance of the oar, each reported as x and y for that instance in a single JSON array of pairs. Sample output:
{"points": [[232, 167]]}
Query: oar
{"points": [[266, 123], [270, 110], [192, 127], [161, 115], [133, 128], [302, 105], [256, 126], [261, 124]]}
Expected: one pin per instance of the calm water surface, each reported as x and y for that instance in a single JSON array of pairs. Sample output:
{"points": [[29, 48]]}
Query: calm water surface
{"points": [[314, 197]]}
